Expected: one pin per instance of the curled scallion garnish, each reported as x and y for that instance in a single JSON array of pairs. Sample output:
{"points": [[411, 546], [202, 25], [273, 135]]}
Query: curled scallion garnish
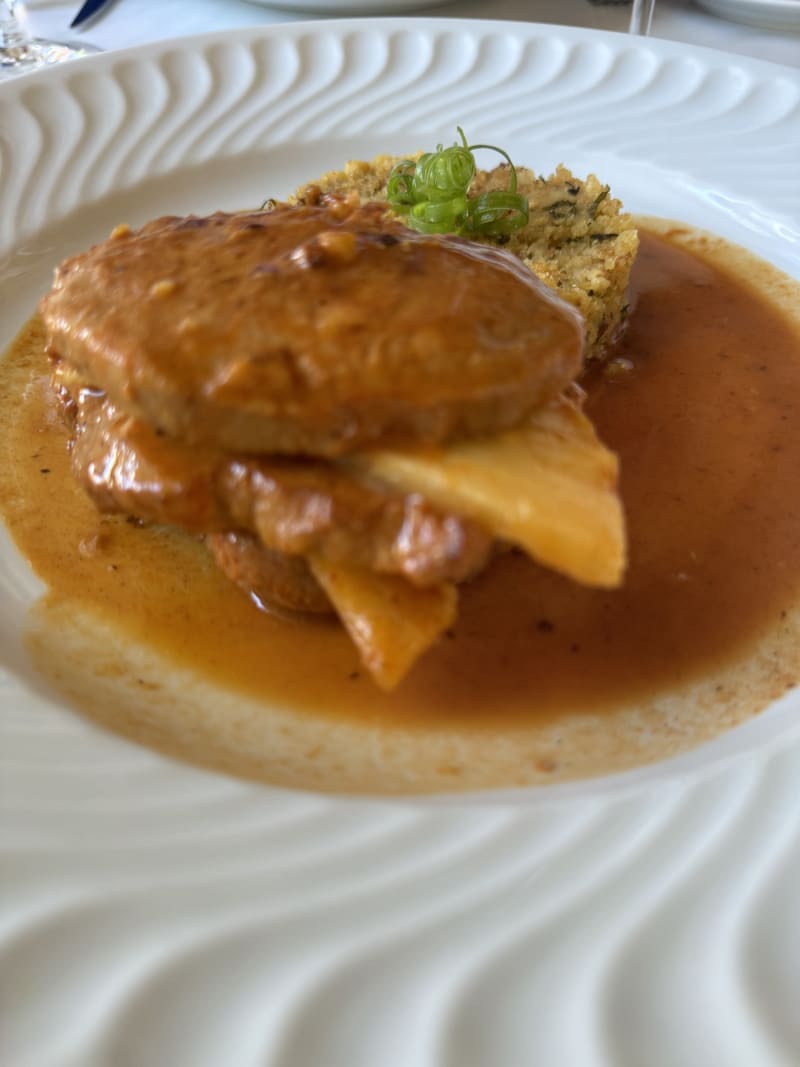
{"points": [[398, 188], [434, 193]]}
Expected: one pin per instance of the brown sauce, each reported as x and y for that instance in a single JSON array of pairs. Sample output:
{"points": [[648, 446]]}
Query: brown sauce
{"points": [[541, 680]]}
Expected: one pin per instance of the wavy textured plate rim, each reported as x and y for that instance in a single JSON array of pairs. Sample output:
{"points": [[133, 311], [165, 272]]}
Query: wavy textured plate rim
{"points": [[426, 24]]}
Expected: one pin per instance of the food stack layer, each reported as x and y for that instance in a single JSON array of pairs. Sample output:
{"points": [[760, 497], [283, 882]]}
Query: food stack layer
{"points": [[356, 416]]}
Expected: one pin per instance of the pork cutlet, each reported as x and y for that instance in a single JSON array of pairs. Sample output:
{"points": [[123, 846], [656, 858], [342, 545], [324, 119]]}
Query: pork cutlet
{"points": [[297, 506], [312, 330]]}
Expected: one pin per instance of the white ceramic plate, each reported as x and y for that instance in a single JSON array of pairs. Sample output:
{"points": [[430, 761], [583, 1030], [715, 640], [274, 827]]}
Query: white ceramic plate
{"points": [[771, 14], [157, 915]]}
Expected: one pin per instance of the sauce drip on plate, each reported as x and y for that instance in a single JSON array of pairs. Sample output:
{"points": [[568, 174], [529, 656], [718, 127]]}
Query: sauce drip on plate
{"points": [[541, 680]]}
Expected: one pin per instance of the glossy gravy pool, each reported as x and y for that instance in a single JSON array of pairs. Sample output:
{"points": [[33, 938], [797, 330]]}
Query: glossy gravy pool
{"points": [[541, 680]]}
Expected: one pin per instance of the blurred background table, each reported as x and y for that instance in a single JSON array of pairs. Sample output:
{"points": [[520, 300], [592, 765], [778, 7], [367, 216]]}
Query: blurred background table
{"points": [[130, 22]]}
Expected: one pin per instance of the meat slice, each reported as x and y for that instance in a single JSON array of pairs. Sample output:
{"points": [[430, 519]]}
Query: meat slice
{"points": [[311, 330], [292, 506], [269, 578]]}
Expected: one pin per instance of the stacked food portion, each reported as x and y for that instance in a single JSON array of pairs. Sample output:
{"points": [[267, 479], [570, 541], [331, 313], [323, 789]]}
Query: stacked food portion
{"points": [[355, 415]]}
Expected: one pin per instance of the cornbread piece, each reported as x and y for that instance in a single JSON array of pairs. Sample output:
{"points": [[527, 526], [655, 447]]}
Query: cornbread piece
{"points": [[310, 330], [577, 240], [295, 506]]}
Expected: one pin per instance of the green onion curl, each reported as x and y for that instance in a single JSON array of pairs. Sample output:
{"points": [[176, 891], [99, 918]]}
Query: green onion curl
{"points": [[434, 193]]}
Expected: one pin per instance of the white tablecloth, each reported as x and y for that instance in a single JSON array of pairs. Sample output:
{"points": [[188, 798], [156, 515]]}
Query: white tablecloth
{"points": [[128, 22]]}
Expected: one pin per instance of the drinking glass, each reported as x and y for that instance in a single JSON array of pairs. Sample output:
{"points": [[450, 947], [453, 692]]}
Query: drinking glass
{"points": [[641, 17], [20, 52]]}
